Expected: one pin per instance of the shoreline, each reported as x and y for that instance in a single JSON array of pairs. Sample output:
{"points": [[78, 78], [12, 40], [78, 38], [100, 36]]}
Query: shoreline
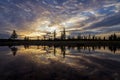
{"points": [[59, 42]]}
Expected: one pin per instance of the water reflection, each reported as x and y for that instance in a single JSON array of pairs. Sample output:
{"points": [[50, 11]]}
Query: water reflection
{"points": [[13, 50], [72, 49], [63, 51], [35, 62]]}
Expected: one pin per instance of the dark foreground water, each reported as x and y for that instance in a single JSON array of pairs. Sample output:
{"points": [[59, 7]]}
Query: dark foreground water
{"points": [[59, 63]]}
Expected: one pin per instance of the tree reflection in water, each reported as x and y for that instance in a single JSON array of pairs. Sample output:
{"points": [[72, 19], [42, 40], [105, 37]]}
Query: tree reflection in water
{"points": [[50, 62], [50, 49], [14, 50]]}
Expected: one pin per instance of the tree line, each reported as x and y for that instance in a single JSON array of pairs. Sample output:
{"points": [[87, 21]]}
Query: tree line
{"points": [[112, 37]]}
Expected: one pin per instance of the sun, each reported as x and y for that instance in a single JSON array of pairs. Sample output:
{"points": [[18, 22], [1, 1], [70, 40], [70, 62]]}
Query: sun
{"points": [[52, 29]]}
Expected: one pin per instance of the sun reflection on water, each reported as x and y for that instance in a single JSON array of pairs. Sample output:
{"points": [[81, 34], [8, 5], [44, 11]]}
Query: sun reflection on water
{"points": [[51, 60]]}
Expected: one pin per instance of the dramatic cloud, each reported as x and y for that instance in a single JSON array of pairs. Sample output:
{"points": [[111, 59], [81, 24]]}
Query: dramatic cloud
{"points": [[36, 17]]}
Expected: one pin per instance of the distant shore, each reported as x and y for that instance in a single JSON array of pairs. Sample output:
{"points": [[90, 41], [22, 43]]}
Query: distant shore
{"points": [[6, 42]]}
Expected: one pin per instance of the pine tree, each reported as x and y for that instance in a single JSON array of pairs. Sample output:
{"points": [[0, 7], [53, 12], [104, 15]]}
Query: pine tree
{"points": [[14, 35]]}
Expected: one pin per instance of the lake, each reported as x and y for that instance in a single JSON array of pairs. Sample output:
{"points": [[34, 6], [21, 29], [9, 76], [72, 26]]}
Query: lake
{"points": [[35, 62]]}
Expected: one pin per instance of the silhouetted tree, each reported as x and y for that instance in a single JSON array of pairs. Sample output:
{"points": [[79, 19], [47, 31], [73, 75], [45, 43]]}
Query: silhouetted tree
{"points": [[26, 38], [54, 34], [113, 37], [63, 34], [69, 38], [38, 38], [78, 37], [89, 37], [73, 38], [118, 38], [93, 37], [14, 35], [44, 37], [85, 37], [104, 38], [99, 38]]}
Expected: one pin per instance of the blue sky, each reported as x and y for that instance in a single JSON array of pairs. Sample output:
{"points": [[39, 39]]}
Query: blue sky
{"points": [[36, 17]]}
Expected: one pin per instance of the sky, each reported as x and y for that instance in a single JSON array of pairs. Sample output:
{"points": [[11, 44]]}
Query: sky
{"points": [[37, 17]]}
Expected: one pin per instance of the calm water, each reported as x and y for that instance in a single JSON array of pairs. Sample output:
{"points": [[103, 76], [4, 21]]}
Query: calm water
{"points": [[59, 63]]}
